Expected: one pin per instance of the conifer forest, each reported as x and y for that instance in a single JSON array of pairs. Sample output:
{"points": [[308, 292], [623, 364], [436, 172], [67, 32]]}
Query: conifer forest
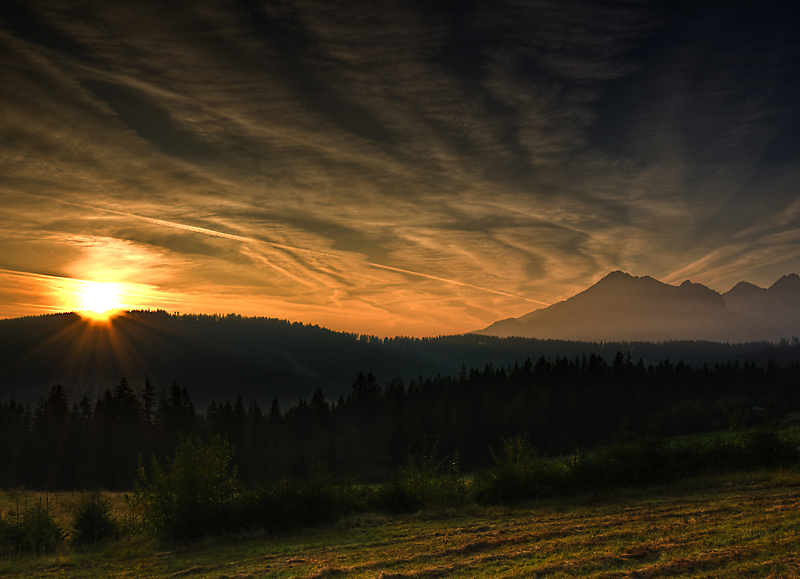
{"points": [[561, 406]]}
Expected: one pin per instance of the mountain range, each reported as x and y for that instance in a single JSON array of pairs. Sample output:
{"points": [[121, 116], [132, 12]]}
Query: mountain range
{"points": [[622, 307]]}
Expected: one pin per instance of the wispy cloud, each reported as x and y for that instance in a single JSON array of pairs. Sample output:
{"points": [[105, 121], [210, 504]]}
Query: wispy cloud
{"points": [[394, 168]]}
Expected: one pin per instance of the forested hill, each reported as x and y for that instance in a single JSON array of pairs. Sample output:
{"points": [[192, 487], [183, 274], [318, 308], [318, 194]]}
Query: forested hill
{"points": [[221, 357], [218, 357]]}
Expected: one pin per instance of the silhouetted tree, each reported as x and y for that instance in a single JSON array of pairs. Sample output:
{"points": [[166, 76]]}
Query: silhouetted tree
{"points": [[52, 439]]}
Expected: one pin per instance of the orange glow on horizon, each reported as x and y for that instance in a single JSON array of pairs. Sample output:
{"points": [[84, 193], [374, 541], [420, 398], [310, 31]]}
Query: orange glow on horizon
{"points": [[99, 295]]}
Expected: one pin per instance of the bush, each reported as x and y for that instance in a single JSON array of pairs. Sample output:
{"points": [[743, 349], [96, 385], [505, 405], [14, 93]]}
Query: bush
{"points": [[289, 505], [30, 530], [93, 521], [638, 463], [395, 497], [749, 450], [765, 448], [194, 497], [426, 482], [519, 474]]}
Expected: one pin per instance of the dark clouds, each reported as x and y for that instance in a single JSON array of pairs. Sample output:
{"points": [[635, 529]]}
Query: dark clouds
{"points": [[390, 167]]}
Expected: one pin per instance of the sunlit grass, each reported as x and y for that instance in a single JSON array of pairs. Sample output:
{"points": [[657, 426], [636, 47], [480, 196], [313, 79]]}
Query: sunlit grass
{"points": [[737, 526]]}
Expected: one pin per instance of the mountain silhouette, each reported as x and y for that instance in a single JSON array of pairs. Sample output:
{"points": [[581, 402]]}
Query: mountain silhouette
{"points": [[777, 306], [622, 307]]}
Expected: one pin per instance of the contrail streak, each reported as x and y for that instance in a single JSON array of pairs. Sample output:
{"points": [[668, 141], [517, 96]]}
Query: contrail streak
{"points": [[244, 239], [42, 276], [68, 280], [451, 281]]}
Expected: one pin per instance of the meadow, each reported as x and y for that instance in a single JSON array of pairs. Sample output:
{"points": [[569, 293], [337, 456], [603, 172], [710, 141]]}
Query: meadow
{"points": [[736, 525]]}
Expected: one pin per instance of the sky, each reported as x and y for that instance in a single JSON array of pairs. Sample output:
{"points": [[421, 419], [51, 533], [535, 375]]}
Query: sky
{"points": [[396, 167]]}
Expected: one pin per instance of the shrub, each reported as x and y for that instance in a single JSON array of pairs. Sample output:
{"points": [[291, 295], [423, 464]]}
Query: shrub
{"points": [[765, 448], [394, 497], [288, 505], [519, 474], [748, 450], [92, 521], [639, 463], [30, 530], [425, 482], [720, 454], [586, 473], [195, 496]]}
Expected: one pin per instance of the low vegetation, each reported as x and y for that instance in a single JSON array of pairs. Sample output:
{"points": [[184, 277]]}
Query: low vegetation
{"points": [[197, 495], [736, 525], [93, 521], [30, 529]]}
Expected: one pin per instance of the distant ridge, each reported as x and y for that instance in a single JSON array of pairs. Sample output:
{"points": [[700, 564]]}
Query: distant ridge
{"points": [[221, 357], [622, 307], [217, 357]]}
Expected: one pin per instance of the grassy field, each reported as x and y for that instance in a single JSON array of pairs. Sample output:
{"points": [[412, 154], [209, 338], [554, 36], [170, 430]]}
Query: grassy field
{"points": [[737, 526]]}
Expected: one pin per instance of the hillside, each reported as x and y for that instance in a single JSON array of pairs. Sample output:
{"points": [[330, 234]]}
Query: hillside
{"points": [[220, 357]]}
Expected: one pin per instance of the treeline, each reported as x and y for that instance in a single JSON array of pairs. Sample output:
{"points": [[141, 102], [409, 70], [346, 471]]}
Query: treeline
{"points": [[559, 404], [260, 358]]}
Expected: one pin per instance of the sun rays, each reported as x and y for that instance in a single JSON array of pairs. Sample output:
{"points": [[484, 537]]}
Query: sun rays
{"points": [[100, 301]]}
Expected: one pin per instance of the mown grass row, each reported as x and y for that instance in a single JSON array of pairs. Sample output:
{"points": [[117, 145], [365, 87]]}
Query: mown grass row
{"points": [[198, 494]]}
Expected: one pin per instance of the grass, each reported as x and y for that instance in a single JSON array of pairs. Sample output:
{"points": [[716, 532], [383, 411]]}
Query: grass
{"points": [[734, 526], [62, 503]]}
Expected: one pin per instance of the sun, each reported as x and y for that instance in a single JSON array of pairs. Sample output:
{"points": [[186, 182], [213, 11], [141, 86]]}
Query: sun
{"points": [[99, 300]]}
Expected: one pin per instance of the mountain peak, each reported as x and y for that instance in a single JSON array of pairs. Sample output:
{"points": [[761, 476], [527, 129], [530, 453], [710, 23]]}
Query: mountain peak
{"points": [[789, 282], [617, 276], [745, 286], [739, 295]]}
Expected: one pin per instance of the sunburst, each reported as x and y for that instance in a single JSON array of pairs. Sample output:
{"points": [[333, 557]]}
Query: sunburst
{"points": [[100, 300]]}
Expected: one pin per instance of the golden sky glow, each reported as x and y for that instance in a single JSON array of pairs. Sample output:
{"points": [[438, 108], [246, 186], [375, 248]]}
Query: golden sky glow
{"points": [[418, 169]]}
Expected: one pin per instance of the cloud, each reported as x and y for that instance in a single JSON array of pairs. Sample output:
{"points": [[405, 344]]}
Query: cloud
{"points": [[403, 167]]}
